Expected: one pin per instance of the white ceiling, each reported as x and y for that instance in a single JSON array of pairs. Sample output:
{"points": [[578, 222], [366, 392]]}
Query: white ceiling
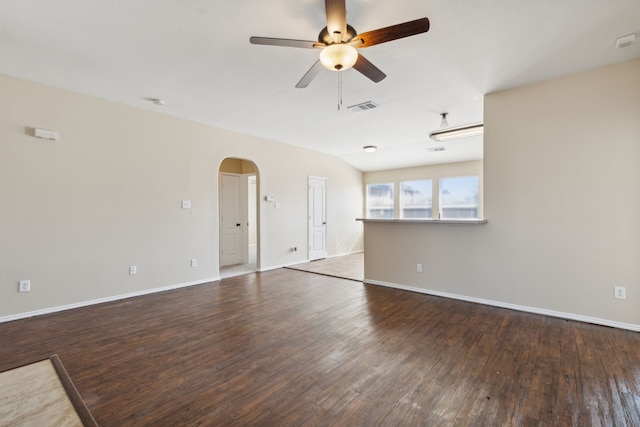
{"points": [[195, 54]]}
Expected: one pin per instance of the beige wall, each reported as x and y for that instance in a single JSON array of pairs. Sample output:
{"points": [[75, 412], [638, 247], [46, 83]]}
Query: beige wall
{"points": [[562, 196], [77, 212], [432, 172]]}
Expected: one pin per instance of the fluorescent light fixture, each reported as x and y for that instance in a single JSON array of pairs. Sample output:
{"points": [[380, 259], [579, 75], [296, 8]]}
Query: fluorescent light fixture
{"points": [[457, 132]]}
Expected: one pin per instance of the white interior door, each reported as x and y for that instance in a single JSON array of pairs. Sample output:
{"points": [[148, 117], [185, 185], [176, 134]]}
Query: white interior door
{"points": [[231, 226], [317, 218]]}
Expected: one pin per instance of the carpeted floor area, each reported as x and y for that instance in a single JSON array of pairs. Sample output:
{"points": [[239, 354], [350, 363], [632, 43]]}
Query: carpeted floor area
{"points": [[345, 267]]}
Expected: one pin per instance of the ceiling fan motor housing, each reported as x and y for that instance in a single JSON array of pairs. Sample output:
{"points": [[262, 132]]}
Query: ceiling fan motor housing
{"points": [[325, 37]]}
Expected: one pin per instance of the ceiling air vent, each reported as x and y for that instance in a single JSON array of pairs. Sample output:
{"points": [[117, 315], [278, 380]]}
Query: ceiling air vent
{"points": [[363, 106], [433, 149]]}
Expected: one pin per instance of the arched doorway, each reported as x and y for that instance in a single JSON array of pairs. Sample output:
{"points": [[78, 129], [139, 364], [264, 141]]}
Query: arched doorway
{"points": [[238, 217]]}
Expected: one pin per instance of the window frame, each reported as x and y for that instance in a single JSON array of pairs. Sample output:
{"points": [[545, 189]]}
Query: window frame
{"points": [[440, 198], [401, 207], [368, 208]]}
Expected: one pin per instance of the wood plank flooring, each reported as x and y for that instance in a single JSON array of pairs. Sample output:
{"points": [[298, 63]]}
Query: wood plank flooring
{"points": [[289, 348]]}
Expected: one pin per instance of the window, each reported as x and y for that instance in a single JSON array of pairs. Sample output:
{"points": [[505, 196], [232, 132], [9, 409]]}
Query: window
{"points": [[380, 200], [416, 199], [459, 197]]}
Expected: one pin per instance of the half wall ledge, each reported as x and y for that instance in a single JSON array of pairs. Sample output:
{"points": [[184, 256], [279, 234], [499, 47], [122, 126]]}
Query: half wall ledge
{"points": [[426, 221]]}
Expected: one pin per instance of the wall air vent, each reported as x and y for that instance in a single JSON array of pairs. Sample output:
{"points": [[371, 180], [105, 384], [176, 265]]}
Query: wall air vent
{"points": [[363, 106]]}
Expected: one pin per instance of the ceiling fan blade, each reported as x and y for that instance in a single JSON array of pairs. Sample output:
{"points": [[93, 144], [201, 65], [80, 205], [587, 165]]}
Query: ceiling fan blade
{"points": [[394, 32], [270, 41], [310, 75], [336, 16], [368, 69]]}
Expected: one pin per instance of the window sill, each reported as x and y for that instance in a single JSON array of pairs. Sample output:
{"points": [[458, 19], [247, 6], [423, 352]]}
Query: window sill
{"points": [[426, 221]]}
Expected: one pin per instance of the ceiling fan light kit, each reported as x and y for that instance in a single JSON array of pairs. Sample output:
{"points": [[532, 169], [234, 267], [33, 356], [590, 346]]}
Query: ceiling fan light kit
{"points": [[338, 57], [339, 40], [457, 132]]}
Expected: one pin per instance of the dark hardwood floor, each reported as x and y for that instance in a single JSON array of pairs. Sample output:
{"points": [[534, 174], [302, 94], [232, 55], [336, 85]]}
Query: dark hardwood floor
{"points": [[286, 347]]}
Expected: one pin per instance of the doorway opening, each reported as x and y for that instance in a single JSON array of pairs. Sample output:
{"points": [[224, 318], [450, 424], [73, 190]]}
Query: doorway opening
{"points": [[239, 225], [317, 218]]}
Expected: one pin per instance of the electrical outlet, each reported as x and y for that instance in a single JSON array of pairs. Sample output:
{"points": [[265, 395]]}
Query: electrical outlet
{"points": [[25, 286], [419, 268], [133, 270], [620, 292], [194, 263]]}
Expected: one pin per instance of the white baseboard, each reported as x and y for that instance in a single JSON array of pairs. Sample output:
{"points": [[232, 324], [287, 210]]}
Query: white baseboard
{"points": [[535, 310], [28, 314]]}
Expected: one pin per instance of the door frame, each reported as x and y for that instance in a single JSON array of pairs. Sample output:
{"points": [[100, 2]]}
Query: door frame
{"points": [[309, 216], [242, 207], [257, 207]]}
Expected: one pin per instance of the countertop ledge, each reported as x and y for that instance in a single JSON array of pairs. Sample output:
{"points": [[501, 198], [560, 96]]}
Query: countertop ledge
{"points": [[426, 221]]}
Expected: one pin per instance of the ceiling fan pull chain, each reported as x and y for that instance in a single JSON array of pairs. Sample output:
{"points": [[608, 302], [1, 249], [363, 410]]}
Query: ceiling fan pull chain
{"points": [[339, 90]]}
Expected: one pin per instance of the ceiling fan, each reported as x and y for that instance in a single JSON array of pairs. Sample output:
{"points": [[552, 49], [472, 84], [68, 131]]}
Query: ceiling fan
{"points": [[339, 41]]}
